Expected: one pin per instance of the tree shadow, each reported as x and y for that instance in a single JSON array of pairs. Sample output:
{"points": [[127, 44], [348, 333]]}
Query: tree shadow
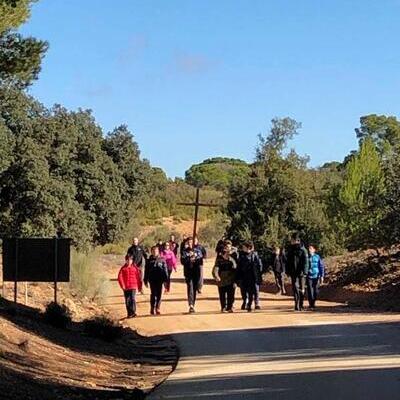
{"points": [[157, 350], [334, 361]]}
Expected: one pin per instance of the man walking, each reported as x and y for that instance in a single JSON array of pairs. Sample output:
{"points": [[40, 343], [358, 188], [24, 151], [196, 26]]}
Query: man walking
{"points": [[191, 260], [136, 251], [297, 268]]}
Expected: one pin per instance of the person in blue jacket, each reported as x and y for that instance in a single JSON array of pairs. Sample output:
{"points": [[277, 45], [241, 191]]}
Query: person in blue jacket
{"points": [[315, 277]]}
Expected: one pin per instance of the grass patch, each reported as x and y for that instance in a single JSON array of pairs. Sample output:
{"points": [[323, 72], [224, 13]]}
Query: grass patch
{"points": [[88, 277]]}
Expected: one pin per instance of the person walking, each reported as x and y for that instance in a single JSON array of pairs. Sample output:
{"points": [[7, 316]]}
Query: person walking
{"points": [[130, 281], [279, 268], [138, 253], [315, 277], [249, 275], [224, 273], [191, 260], [173, 245], [156, 274], [297, 268], [170, 258]]}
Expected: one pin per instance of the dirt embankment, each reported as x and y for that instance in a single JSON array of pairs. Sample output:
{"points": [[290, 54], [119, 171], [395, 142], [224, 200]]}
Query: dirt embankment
{"points": [[39, 361], [364, 279]]}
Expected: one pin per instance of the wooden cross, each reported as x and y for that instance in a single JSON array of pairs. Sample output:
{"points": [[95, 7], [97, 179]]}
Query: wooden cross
{"points": [[196, 206]]}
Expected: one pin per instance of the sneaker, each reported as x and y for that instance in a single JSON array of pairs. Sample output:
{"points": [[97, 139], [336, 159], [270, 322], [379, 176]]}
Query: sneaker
{"points": [[191, 310], [152, 311], [249, 309], [158, 311], [230, 310], [257, 307], [243, 306], [132, 316], [199, 291]]}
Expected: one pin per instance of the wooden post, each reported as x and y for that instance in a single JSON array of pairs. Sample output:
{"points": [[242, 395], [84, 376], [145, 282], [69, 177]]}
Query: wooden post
{"points": [[196, 213], [55, 268], [16, 272]]}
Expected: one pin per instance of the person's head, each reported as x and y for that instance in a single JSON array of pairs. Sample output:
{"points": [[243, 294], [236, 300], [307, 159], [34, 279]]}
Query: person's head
{"points": [[160, 241], [155, 251], [167, 246], [295, 239], [129, 259], [189, 242], [172, 238], [184, 237], [227, 244], [277, 250], [248, 246], [135, 241], [226, 251], [312, 249]]}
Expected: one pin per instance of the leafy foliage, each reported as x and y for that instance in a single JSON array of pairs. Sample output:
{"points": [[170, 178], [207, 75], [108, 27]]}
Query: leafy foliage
{"points": [[219, 173]]}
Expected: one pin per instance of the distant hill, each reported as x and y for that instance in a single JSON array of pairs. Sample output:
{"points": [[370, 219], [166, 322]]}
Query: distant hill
{"points": [[219, 172]]}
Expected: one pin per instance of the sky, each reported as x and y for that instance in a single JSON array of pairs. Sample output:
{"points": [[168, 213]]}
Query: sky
{"points": [[199, 79]]}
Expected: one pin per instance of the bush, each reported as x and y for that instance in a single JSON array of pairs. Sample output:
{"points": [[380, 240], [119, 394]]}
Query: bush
{"points": [[57, 315], [114, 248], [88, 277], [103, 328]]}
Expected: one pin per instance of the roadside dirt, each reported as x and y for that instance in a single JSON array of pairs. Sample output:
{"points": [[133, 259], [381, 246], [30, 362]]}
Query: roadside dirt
{"points": [[38, 361]]}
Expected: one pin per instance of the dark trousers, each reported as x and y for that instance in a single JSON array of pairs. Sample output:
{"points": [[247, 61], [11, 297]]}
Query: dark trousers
{"points": [[257, 295], [192, 284], [226, 296], [168, 283], [250, 293], [155, 295], [280, 281], [298, 287], [312, 291], [130, 301]]}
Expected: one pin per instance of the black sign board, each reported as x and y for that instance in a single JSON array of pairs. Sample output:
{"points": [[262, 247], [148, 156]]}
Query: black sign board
{"points": [[36, 260]]}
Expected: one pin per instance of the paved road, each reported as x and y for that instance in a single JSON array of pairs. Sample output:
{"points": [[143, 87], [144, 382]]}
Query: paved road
{"points": [[334, 353]]}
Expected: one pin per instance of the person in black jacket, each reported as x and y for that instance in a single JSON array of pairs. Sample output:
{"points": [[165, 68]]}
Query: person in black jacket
{"points": [[279, 268], [156, 274], [249, 275], [138, 254], [192, 260], [174, 245], [297, 268]]}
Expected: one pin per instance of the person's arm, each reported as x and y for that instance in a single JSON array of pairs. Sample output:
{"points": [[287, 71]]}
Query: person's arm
{"points": [[321, 269], [121, 280], [173, 256], [215, 272], [139, 279], [306, 261], [146, 274]]}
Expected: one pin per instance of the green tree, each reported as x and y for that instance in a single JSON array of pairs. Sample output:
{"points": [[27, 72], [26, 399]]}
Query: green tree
{"points": [[13, 13], [361, 195]]}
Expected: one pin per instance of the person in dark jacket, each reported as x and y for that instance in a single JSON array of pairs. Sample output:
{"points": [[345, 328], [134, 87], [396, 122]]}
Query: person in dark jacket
{"points": [[224, 272], [192, 259], [249, 275], [315, 277], [156, 274], [138, 253], [174, 245], [130, 281], [183, 245], [279, 268], [297, 268], [203, 252]]}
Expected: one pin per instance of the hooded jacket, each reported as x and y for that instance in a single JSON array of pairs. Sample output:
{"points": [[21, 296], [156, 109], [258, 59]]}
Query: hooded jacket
{"points": [[129, 277], [250, 268], [156, 270], [170, 259]]}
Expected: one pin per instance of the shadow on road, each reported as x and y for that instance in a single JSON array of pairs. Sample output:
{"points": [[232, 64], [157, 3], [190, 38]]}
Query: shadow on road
{"points": [[332, 361]]}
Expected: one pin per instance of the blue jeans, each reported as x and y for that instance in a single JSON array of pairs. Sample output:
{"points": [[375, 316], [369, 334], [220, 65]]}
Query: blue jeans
{"points": [[130, 301], [312, 290]]}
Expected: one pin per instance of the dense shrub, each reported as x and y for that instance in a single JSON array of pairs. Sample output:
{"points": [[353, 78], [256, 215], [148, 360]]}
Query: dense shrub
{"points": [[103, 328], [57, 315]]}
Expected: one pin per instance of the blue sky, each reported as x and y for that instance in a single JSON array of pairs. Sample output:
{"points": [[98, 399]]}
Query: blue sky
{"points": [[197, 79]]}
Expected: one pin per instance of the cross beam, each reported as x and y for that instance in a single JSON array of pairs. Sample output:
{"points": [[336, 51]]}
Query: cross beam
{"points": [[196, 206]]}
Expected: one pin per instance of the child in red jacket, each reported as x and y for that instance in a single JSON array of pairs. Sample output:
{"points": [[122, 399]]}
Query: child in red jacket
{"points": [[130, 281]]}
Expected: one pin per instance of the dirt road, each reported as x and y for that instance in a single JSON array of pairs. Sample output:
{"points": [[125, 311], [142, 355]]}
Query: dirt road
{"points": [[334, 353]]}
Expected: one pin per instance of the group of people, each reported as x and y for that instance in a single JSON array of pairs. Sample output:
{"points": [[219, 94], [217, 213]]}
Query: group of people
{"points": [[233, 268]]}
